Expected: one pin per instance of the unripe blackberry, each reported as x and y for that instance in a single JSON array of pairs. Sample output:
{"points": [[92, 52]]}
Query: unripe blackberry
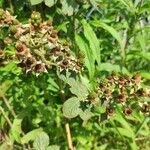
{"points": [[81, 62], [81, 54], [15, 22], [13, 29], [2, 14], [36, 19]]}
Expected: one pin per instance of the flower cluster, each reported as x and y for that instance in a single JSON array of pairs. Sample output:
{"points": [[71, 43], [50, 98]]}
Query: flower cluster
{"points": [[122, 90], [37, 45]]}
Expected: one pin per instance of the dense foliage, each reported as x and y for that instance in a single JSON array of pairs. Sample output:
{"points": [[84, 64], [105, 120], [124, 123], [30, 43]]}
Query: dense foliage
{"points": [[79, 66]]}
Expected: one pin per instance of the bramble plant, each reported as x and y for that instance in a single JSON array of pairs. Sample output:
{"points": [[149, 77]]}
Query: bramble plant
{"points": [[69, 77]]}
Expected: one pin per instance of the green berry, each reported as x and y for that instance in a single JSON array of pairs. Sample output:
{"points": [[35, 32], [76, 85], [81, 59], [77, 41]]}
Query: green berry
{"points": [[13, 29], [2, 14], [15, 22]]}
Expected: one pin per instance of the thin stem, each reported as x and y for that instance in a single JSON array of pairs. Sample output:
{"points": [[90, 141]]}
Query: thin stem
{"points": [[5, 116], [69, 140], [8, 106], [67, 128]]}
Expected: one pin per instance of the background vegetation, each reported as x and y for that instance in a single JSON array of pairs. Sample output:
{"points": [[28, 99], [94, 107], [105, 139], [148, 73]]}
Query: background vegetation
{"points": [[111, 36]]}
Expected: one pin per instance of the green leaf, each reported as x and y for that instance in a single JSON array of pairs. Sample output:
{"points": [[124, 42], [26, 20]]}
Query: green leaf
{"points": [[10, 67], [93, 41], [50, 3], [4, 87], [113, 67], [89, 58], [53, 147], [16, 129], [52, 85], [35, 2], [124, 132], [124, 123], [129, 5], [85, 115], [78, 89], [68, 7], [110, 29], [71, 107], [145, 75], [6, 146], [41, 142], [30, 136]]}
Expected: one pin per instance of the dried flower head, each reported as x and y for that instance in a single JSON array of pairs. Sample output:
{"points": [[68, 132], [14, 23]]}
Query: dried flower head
{"points": [[127, 111], [110, 111]]}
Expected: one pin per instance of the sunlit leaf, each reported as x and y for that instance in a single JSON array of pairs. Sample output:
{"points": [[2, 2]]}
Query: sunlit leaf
{"points": [[41, 142], [53, 147], [93, 41], [85, 115], [35, 2], [71, 107], [16, 129], [78, 89], [50, 3], [89, 58], [30, 136], [68, 7]]}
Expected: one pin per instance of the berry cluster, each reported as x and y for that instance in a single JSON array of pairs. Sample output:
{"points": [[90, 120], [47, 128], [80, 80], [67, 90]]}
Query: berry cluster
{"points": [[37, 45]]}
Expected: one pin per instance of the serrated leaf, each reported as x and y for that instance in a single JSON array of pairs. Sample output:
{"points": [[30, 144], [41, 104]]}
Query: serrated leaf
{"points": [[50, 3], [93, 41], [68, 7], [78, 89], [30, 136], [111, 30], [35, 2], [41, 142], [53, 147], [89, 59], [113, 67], [71, 107], [4, 87], [85, 115]]}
